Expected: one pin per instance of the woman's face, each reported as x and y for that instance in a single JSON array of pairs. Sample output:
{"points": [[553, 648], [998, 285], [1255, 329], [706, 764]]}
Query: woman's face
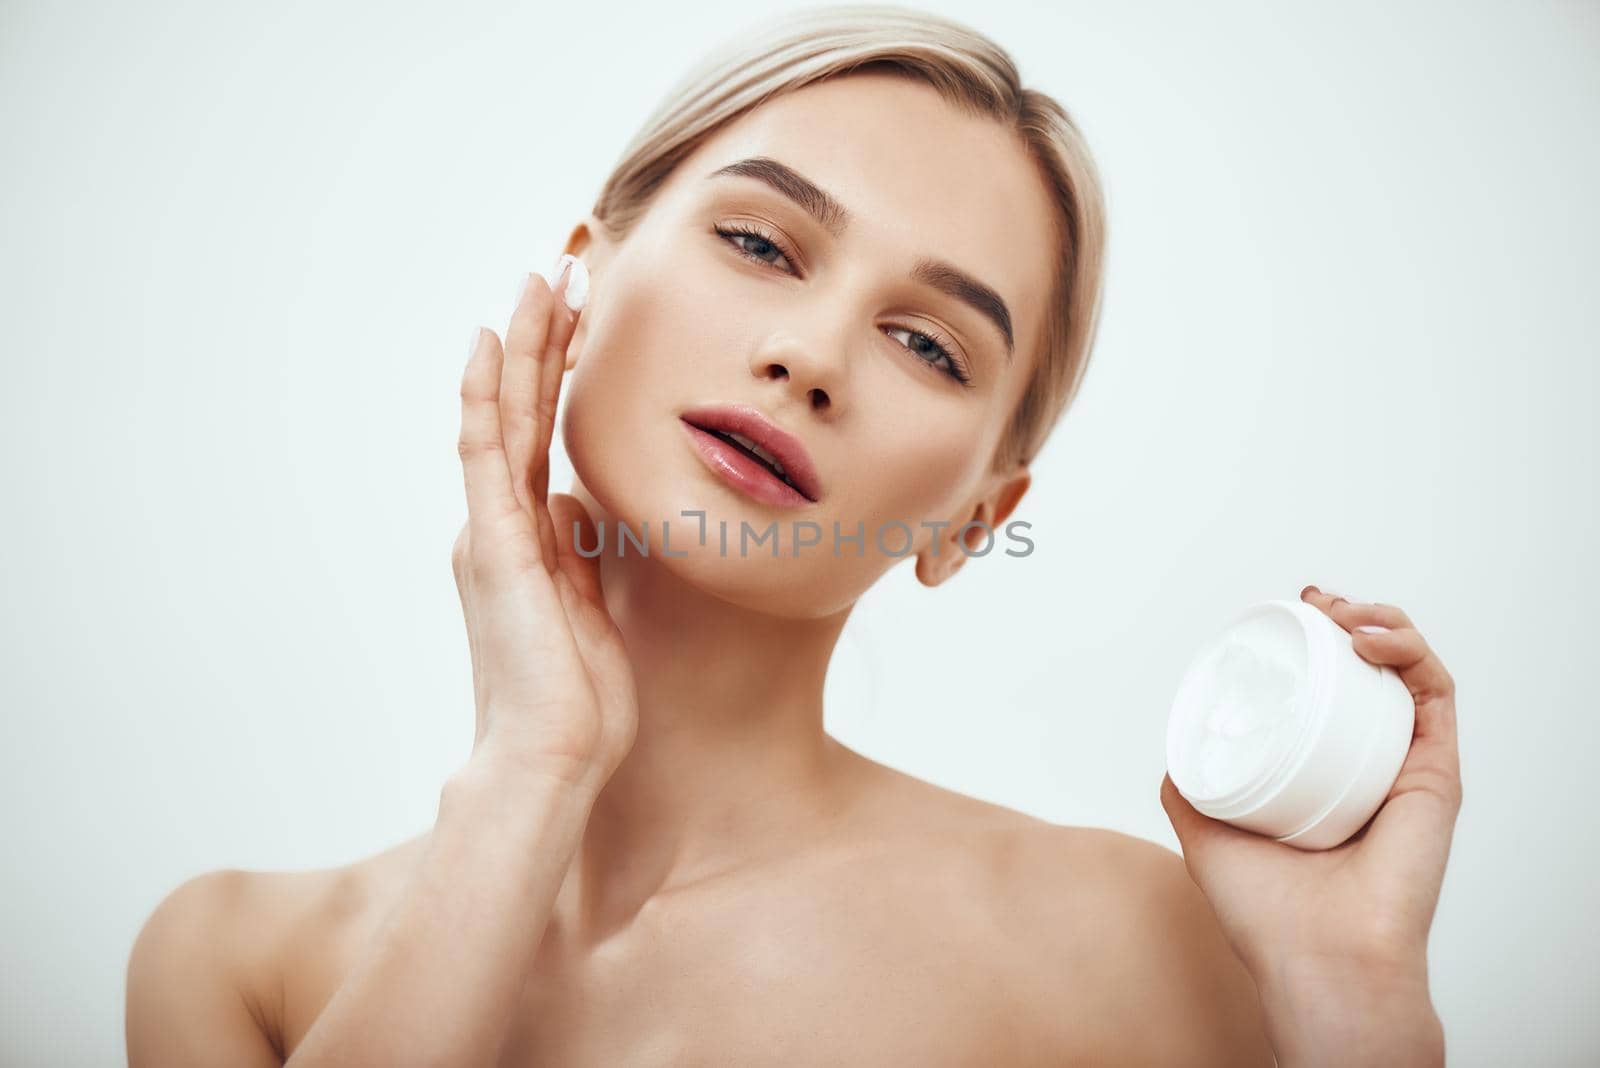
{"points": [[825, 330]]}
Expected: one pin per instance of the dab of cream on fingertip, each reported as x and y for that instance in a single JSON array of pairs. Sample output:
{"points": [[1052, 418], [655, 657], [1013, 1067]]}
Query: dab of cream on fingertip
{"points": [[576, 293], [571, 268]]}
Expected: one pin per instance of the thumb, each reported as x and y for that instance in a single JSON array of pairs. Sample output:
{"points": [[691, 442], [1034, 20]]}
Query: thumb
{"points": [[1197, 833], [1181, 814], [575, 528]]}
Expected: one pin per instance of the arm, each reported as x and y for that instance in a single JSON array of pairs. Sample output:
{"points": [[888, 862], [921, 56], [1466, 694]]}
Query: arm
{"points": [[1207, 1004], [1337, 939], [1336, 1013], [439, 982], [436, 985], [556, 713]]}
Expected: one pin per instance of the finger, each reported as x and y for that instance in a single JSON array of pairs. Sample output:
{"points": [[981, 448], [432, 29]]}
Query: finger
{"points": [[1433, 762], [460, 563], [1399, 645], [459, 557], [571, 283], [1383, 634], [572, 280], [574, 527], [491, 500], [1198, 833], [1412, 829], [519, 385], [1405, 650], [1338, 608]]}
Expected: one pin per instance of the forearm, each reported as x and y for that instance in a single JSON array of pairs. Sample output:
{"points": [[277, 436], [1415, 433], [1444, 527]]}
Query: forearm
{"points": [[439, 981], [1350, 1016]]}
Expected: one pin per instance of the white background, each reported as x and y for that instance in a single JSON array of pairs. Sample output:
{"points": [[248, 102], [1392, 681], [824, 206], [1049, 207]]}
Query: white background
{"points": [[1349, 339]]}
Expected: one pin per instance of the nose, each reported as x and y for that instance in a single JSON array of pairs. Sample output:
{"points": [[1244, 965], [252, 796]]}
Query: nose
{"points": [[811, 371]]}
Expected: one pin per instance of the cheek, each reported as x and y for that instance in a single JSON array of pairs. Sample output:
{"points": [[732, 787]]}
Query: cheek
{"points": [[921, 462], [649, 349], [626, 357], [656, 330], [608, 397]]}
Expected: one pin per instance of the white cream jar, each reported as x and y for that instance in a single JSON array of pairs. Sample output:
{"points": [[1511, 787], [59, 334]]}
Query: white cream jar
{"points": [[1281, 728]]}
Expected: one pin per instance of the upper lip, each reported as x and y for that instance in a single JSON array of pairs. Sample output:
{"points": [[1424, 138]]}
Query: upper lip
{"points": [[744, 419]]}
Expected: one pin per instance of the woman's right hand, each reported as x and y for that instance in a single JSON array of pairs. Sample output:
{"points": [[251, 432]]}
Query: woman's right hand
{"points": [[554, 687]]}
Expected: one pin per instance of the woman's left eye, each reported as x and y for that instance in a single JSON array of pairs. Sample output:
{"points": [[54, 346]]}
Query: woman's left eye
{"points": [[938, 353]]}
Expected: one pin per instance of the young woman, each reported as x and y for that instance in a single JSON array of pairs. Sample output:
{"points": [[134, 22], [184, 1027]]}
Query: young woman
{"points": [[847, 276]]}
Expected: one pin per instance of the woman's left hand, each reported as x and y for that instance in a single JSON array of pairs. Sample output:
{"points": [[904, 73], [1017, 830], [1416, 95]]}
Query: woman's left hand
{"points": [[1337, 939]]}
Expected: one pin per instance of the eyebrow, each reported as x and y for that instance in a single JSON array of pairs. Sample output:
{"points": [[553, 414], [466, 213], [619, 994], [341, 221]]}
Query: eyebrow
{"points": [[834, 217]]}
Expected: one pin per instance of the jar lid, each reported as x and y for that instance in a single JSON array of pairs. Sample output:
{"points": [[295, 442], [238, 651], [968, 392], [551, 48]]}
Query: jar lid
{"points": [[1246, 707]]}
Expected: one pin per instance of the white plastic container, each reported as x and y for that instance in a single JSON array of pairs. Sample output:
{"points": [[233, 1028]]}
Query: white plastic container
{"points": [[1281, 728]]}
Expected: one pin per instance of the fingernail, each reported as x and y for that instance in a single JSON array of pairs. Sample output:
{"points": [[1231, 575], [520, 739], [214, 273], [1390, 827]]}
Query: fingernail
{"points": [[522, 291], [576, 292], [1311, 589], [1372, 628], [472, 342]]}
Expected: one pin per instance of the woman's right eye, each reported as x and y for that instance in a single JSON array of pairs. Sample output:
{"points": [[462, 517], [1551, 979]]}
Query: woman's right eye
{"points": [[763, 244]]}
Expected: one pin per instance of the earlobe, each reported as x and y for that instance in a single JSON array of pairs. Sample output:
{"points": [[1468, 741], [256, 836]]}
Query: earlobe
{"points": [[934, 571], [930, 567], [945, 553]]}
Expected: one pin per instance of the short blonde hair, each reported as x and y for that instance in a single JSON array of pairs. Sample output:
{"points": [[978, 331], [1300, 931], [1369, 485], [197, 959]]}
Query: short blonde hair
{"points": [[971, 72]]}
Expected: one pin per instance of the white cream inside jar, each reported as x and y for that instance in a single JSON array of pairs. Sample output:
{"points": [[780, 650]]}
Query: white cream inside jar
{"points": [[1281, 728]]}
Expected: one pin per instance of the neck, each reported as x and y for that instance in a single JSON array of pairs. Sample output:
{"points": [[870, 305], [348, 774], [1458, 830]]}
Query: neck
{"points": [[730, 764]]}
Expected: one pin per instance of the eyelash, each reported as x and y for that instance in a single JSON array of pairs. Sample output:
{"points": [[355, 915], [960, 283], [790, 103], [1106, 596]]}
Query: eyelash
{"points": [[942, 345]]}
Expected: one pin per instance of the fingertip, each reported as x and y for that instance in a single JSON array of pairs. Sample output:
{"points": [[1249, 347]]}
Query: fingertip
{"points": [[476, 373], [563, 325], [1190, 824], [534, 297], [1173, 804], [523, 285], [1171, 799]]}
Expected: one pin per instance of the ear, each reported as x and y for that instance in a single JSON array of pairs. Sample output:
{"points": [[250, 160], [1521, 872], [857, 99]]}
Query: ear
{"points": [[588, 242], [950, 545]]}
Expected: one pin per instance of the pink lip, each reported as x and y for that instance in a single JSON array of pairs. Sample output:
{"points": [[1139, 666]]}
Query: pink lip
{"points": [[744, 472]]}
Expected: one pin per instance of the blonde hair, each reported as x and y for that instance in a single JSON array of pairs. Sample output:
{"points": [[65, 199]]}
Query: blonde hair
{"points": [[968, 70]]}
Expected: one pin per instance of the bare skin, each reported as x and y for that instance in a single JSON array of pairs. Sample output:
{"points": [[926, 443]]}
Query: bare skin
{"points": [[924, 927], [656, 854]]}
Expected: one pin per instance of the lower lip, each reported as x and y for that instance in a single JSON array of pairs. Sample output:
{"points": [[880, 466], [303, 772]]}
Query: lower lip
{"points": [[739, 470]]}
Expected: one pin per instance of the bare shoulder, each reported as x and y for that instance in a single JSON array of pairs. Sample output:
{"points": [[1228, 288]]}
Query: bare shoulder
{"points": [[192, 976], [207, 972], [1121, 953], [1105, 948]]}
